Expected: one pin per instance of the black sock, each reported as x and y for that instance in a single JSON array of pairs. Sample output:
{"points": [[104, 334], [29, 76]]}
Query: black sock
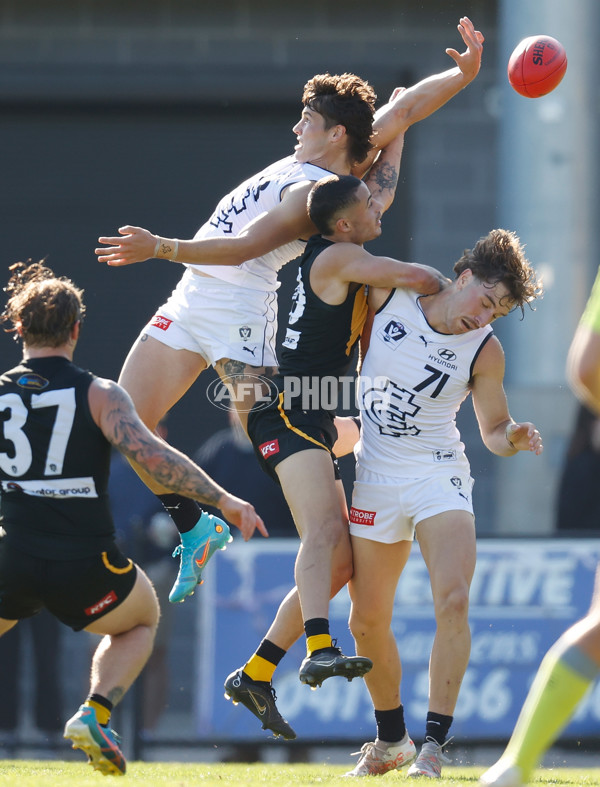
{"points": [[437, 726], [101, 701], [271, 652], [183, 511], [390, 724], [316, 626]]}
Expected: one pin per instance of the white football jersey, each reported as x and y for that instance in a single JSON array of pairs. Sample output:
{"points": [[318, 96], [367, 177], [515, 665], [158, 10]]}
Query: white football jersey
{"points": [[412, 383], [251, 199]]}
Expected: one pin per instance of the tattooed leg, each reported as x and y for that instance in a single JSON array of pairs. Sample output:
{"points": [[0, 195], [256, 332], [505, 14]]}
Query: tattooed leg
{"points": [[244, 383]]}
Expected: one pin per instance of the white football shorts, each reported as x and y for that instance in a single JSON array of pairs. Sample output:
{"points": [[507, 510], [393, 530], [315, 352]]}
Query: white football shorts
{"points": [[388, 509], [218, 320]]}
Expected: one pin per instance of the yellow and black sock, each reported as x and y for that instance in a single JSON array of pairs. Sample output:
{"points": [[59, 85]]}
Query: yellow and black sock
{"points": [[262, 665], [317, 635], [102, 706]]}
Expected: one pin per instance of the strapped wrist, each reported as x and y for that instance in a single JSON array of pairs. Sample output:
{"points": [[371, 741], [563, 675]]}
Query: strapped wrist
{"points": [[508, 440], [166, 251]]}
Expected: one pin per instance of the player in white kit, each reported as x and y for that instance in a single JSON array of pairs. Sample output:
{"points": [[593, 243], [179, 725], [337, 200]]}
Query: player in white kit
{"points": [[425, 355], [224, 311]]}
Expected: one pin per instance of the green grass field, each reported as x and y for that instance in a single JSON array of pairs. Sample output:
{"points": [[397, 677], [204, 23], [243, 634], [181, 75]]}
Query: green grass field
{"points": [[38, 773]]}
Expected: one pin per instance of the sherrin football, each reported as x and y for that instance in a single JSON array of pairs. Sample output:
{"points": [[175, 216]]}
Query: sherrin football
{"points": [[536, 66]]}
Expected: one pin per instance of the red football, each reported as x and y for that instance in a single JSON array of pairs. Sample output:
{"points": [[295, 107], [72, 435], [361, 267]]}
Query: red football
{"points": [[537, 65]]}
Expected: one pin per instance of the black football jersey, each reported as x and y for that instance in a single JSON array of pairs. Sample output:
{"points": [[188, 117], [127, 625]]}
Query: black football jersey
{"points": [[54, 462]]}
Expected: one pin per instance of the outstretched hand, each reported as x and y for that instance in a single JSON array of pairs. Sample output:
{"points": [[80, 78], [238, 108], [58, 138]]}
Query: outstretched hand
{"points": [[135, 245], [242, 515], [469, 61]]}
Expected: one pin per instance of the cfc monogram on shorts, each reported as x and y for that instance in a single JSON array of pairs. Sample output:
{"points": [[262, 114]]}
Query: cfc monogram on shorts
{"points": [[360, 517]]}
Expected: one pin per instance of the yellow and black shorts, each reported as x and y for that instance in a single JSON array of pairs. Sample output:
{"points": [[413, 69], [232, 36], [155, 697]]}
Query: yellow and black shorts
{"points": [[76, 591], [277, 433]]}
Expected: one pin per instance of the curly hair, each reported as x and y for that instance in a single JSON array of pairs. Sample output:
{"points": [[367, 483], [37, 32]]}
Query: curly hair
{"points": [[348, 100], [500, 257], [44, 306]]}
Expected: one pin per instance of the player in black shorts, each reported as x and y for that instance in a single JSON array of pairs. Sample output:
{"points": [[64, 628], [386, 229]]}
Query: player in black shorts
{"points": [[294, 436], [57, 547]]}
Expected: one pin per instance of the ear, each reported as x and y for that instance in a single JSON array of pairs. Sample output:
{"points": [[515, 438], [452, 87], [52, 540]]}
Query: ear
{"points": [[75, 330], [337, 133], [19, 328], [343, 226], [464, 278]]}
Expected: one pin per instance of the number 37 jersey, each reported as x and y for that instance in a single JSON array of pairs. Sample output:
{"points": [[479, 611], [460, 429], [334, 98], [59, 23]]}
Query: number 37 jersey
{"points": [[54, 462], [412, 383]]}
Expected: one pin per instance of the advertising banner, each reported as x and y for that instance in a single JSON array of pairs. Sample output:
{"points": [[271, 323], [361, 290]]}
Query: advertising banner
{"points": [[525, 593]]}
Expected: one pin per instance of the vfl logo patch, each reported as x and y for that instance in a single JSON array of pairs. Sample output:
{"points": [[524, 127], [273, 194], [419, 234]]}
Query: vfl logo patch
{"points": [[245, 332], [32, 381], [105, 602], [393, 333], [441, 455], [158, 321], [270, 448], [360, 517]]}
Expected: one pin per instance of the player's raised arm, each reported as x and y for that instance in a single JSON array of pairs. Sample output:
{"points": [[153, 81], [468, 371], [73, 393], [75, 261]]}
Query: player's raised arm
{"points": [[423, 99], [382, 178]]}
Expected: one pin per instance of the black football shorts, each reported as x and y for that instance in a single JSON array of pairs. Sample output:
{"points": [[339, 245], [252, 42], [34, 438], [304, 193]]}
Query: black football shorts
{"points": [[77, 592], [277, 433]]}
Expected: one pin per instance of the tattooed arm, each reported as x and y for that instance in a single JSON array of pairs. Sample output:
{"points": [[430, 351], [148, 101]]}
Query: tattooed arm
{"points": [[382, 178], [113, 411], [346, 262]]}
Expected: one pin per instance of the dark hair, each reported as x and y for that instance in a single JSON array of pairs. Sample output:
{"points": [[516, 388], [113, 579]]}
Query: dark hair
{"points": [[45, 306], [500, 257], [328, 197], [348, 100]]}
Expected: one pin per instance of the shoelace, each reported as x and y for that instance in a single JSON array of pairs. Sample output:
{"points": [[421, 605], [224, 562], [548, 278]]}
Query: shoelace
{"points": [[268, 686], [334, 647], [438, 756], [442, 746], [367, 748], [178, 550]]}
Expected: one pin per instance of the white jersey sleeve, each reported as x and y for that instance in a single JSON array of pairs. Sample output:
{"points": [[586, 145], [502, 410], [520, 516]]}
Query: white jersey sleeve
{"points": [[251, 199], [412, 383]]}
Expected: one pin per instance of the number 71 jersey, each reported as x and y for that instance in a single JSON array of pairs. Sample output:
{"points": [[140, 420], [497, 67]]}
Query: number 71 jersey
{"points": [[413, 381]]}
